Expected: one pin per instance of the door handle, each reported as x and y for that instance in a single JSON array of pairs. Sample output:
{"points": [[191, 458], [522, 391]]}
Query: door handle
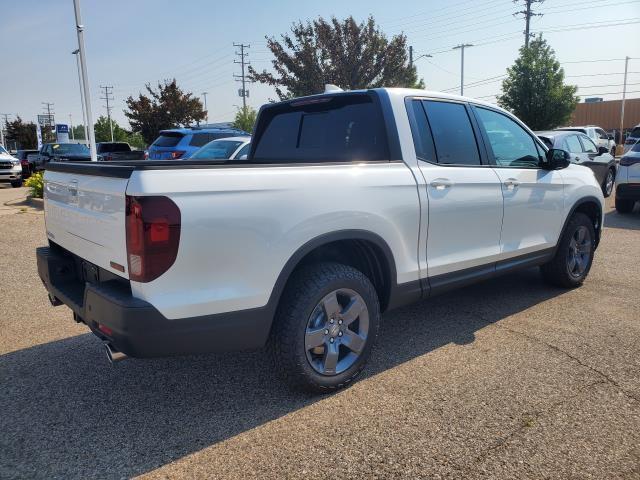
{"points": [[577, 159], [511, 183], [441, 183]]}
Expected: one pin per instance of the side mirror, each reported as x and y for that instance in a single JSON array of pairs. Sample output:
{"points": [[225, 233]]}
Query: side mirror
{"points": [[556, 159], [602, 150]]}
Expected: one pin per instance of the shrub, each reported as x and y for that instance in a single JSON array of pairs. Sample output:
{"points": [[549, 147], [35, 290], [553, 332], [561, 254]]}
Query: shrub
{"points": [[35, 183]]}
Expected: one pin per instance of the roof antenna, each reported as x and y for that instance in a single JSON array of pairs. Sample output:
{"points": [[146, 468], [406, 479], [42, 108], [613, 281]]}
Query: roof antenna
{"points": [[330, 88]]}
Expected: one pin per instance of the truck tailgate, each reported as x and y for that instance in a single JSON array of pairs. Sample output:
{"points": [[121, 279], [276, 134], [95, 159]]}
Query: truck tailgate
{"points": [[86, 215]]}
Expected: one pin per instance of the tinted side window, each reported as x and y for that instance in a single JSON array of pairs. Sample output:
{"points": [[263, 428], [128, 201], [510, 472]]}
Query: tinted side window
{"points": [[589, 146], [340, 128], [453, 135], [511, 145], [422, 140], [200, 139], [572, 144]]}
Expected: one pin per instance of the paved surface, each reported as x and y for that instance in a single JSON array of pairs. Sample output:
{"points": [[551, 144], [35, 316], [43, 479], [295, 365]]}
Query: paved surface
{"points": [[506, 379]]}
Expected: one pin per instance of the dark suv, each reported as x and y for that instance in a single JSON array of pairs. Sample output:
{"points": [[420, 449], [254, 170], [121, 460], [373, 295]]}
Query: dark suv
{"points": [[28, 167]]}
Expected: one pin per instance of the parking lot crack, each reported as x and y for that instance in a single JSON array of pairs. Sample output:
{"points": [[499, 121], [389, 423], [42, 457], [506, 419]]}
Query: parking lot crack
{"points": [[557, 349]]}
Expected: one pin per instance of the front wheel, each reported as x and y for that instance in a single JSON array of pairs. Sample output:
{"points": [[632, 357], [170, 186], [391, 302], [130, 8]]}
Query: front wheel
{"points": [[609, 181], [325, 327], [16, 184], [574, 254]]}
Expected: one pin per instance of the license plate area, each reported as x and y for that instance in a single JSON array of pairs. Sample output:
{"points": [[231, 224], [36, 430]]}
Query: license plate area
{"points": [[90, 273]]}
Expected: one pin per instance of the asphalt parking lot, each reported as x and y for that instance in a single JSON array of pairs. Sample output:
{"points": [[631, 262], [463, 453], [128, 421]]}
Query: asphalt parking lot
{"points": [[505, 379]]}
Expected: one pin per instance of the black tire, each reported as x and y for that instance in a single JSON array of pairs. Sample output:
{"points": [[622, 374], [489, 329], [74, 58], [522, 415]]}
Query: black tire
{"points": [[608, 183], [624, 205], [305, 291], [16, 184], [559, 271]]}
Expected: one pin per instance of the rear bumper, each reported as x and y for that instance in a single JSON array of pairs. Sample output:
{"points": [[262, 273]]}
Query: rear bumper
{"points": [[628, 191], [136, 327]]}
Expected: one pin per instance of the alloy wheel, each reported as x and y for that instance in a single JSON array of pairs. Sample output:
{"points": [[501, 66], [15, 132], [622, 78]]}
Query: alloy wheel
{"points": [[336, 332], [579, 253]]}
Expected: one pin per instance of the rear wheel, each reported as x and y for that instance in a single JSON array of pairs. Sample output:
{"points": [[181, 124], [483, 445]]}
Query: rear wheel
{"points": [[624, 205], [574, 255], [325, 327], [609, 181]]}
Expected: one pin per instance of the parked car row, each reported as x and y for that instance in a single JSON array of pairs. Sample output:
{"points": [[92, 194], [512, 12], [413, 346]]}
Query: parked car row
{"points": [[628, 179]]}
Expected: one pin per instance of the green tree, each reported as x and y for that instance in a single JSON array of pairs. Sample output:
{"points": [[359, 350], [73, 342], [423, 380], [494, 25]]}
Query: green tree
{"points": [[245, 119], [348, 54], [534, 89], [102, 132], [23, 134], [78, 132], [165, 107]]}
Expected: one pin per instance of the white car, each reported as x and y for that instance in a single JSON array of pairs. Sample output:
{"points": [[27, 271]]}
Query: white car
{"points": [[10, 169], [348, 205], [597, 135], [230, 148], [628, 179], [632, 138]]}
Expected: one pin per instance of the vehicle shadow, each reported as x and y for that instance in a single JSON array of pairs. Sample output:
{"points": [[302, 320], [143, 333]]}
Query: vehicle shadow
{"points": [[629, 221], [67, 413]]}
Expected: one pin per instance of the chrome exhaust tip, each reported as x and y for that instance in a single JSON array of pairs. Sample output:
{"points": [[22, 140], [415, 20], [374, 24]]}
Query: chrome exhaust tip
{"points": [[114, 355]]}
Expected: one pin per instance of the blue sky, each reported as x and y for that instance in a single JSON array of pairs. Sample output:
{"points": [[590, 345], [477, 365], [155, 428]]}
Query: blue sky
{"points": [[130, 43]]}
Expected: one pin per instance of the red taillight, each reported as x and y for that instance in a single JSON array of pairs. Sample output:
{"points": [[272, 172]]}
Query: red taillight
{"points": [[628, 161], [177, 154], [153, 236], [104, 329], [24, 163]]}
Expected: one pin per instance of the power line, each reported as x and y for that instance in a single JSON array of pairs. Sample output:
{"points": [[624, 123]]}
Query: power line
{"points": [[106, 98], [244, 93]]}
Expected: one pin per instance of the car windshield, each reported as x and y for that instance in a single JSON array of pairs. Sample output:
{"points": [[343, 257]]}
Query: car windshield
{"points": [[69, 149], [635, 133], [3, 151], [218, 149]]}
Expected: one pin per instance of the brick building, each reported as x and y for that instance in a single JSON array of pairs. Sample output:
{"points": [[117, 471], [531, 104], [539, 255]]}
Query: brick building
{"points": [[607, 114]]}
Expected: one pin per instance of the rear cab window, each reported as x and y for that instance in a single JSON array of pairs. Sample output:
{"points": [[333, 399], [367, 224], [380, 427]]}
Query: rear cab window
{"points": [[115, 147], [335, 128], [168, 139]]}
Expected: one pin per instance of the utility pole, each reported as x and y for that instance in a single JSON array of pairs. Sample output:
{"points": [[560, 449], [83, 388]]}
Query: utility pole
{"points": [[462, 46], [6, 122], [244, 93], [84, 117], [624, 95], [71, 127], [204, 94], [107, 97], [47, 106], [85, 80], [528, 13], [410, 55]]}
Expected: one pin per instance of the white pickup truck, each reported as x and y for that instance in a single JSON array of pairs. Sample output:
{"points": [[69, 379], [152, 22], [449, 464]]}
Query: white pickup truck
{"points": [[348, 205]]}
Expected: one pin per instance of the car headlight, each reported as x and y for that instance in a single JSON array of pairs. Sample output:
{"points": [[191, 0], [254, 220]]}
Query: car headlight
{"points": [[16, 163]]}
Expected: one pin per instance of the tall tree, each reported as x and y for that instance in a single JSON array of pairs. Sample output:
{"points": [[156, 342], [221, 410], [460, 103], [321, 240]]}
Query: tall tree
{"points": [[24, 134], [348, 54], [102, 131], [165, 107], [534, 89], [245, 119]]}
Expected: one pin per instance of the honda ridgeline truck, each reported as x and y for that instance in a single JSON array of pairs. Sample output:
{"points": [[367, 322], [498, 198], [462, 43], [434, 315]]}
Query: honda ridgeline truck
{"points": [[349, 204]]}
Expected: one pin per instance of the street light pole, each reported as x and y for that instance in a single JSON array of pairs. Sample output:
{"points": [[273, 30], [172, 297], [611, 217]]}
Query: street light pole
{"points": [[84, 115], [462, 46], [624, 95], [71, 127], [85, 80], [204, 94]]}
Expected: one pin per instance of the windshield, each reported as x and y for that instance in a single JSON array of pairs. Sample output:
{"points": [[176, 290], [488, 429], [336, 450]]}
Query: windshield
{"points": [[69, 149], [3, 151], [218, 149], [635, 133]]}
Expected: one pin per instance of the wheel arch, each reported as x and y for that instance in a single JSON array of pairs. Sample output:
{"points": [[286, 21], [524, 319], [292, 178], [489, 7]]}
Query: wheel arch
{"points": [[361, 249], [591, 207]]}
